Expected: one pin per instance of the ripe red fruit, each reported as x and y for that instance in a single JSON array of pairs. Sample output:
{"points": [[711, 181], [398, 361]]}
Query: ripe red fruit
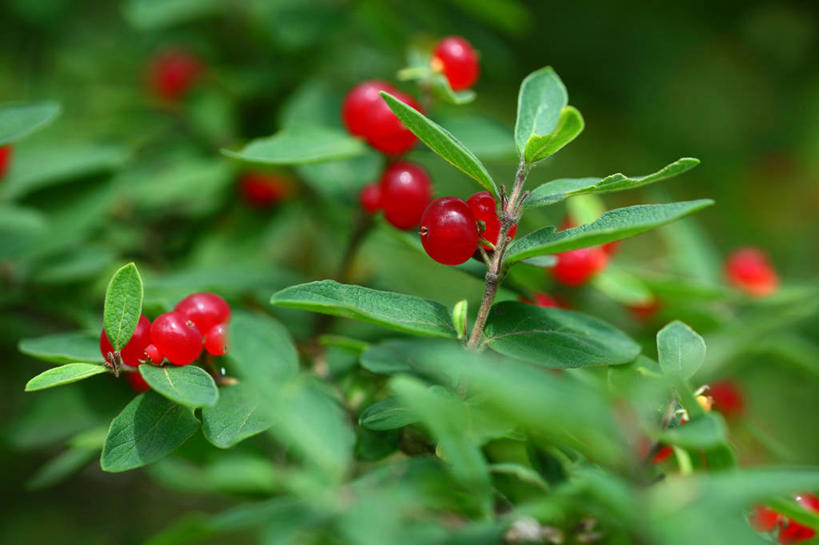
{"points": [[366, 114], [370, 198], [485, 209], [262, 189], [216, 340], [138, 383], [792, 531], [5, 159], [133, 353], [455, 57], [749, 270], [173, 73], [662, 455], [405, 192], [541, 300], [177, 337], [448, 231], [611, 247], [152, 354], [575, 267], [728, 398], [763, 518], [205, 310]]}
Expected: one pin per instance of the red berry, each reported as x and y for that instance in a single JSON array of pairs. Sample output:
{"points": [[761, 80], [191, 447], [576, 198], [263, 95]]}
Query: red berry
{"points": [[138, 383], [662, 455], [370, 198], [448, 231], [386, 132], [485, 209], [173, 73], [405, 192], [177, 337], [575, 267], [611, 247], [644, 311], [456, 58], [541, 300], [792, 531], [360, 103], [205, 310], [749, 270], [153, 355], [216, 340], [133, 353], [5, 159], [728, 398], [263, 190], [763, 518]]}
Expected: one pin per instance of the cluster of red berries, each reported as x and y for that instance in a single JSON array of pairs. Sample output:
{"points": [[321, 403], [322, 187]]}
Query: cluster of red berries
{"points": [[5, 159], [765, 519], [177, 335], [173, 73], [263, 190], [749, 270]]}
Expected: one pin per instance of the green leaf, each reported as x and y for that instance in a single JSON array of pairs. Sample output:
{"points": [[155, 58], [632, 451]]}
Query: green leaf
{"points": [[20, 228], [541, 100], [60, 468], [155, 14], [235, 417], [441, 141], [188, 385], [148, 428], [459, 317], [622, 286], [614, 225], [681, 350], [64, 348], [569, 125], [64, 374], [387, 414], [20, 120], [123, 305], [558, 190], [440, 86], [261, 350], [300, 145], [523, 473], [392, 310], [795, 511], [556, 338], [703, 433]]}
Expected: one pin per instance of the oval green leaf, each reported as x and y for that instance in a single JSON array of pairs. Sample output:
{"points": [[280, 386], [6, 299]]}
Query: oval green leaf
{"points": [[556, 338], [149, 428], [299, 146], [188, 385], [392, 310], [64, 348], [387, 414], [123, 305], [64, 374], [19, 120], [541, 100], [681, 350], [235, 417], [261, 350], [569, 125]]}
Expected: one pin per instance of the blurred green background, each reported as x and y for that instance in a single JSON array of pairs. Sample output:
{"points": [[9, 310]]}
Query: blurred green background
{"points": [[735, 84]]}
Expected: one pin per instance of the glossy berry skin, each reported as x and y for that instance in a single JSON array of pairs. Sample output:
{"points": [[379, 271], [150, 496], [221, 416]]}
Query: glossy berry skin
{"points": [[485, 209], [763, 518], [263, 190], [406, 190], [359, 103], [794, 532], [728, 398], [205, 310], [177, 337], [366, 114], [152, 355], [216, 340], [458, 61], [173, 74], [448, 231], [370, 198], [575, 267], [749, 270], [541, 300], [133, 353], [138, 383], [5, 159]]}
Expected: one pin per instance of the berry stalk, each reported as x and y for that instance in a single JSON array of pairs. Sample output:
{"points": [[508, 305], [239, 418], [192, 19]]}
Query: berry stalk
{"points": [[510, 215]]}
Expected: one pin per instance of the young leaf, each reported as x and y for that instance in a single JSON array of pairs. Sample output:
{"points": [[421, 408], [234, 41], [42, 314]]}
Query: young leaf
{"points": [[614, 225], [235, 417], [392, 310], [569, 125], [64, 374], [123, 305], [261, 350], [64, 348], [387, 414], [148, 428], [300, 145], [441, 142], [556, 338], [541, 100], [459, 317], [20, 120], [681, 350], [189, 385], [558, 190]]}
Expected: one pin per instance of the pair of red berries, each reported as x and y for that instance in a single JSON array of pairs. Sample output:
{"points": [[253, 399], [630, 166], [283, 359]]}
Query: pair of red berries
{"points": [[451, 228], [263, 190], [765, 519], [173, 73], [177, 335], [456, 59], [750, 270], [5, 159]]}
